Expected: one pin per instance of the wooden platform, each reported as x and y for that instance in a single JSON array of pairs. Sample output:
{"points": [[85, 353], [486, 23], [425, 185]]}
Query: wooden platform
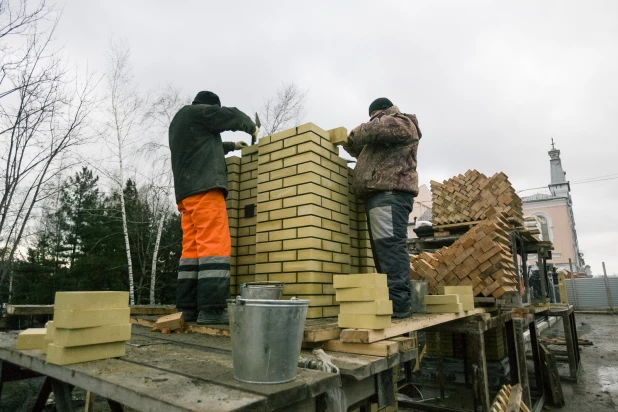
{"points": [[23, 310]]}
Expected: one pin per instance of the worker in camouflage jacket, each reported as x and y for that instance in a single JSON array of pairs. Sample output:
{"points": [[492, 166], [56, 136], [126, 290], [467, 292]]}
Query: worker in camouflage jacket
{"points": [[200, 183], [385, 179]]}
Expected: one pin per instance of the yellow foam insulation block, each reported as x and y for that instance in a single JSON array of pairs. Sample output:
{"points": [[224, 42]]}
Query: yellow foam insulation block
{"points": [[59, 355], [31, 339], [360, 280], [338, 136], [49, 336], [364, 321], [74, 319], [379, 307], [441, 299], [91, 300], [92, 336], [361, 294], [446, 308], [455, 290]]}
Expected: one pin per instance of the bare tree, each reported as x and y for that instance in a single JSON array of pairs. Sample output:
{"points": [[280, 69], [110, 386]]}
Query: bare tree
{"points": [[124, 120], [160, 115], [43, 116], [284, 110]]}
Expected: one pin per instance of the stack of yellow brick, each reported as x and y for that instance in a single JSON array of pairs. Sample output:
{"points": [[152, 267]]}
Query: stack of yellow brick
{"points": [[293, 217], [88, 326], [451, 299], [364, 301]]}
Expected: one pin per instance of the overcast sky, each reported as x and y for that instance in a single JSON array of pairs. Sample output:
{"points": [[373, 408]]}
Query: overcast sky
{"points": [[490, 82]]}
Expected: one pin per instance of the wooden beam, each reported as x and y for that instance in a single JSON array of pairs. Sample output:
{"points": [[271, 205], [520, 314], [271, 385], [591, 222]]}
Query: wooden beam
{"points": [[383, 348], [416, 322], [19, 310]]}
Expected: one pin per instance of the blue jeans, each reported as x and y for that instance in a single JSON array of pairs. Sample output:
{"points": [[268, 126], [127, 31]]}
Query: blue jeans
{"points": [[387, 219]]}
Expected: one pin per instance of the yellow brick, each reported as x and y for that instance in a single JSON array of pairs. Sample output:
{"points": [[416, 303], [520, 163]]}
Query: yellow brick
{"points": [[267, 206], [455, 290], [283, 193], [329, 204], [282, 256], [34, 338], [91, 300], [330, 225], [441, 299], [328, 289], [259, 238], [364, 321], [314, 313], [283, 213], [340, 237], [304, 243], [301, 179], [340, 217], [71, 319], [341, 258], [331, 267], [302, 221], [302, 289], [263, 197], [315, 254], [269, 226], [315, 277], [313, 147], [338, 197], [303, 138], [311, 231], [92, 336], [338, 136], [316, 300], [267, 267], [331, 246], [248, 184], [272, 185], [360, 280], [380, 307], [261, 278], [314, 210], [363, 294], [264, 140], [259, 258], [315, 168], [310, 127], [263, 159], [315, 189], [60, 355], [302, 200], [282, 173], [283, 234], [267, 148], [302, 266], [284, 134], [283, 154], [283, 277], [302, 158], [330, 311], [447, 308], [269, 167]]}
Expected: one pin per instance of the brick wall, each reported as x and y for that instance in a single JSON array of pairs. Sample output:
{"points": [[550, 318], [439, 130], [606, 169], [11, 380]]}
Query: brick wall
{"points": [[306, 225]]}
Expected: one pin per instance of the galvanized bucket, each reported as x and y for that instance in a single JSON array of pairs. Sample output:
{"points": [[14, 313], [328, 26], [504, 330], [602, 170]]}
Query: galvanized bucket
{"points": [[417, 296], [266, 338], [269, 290]]}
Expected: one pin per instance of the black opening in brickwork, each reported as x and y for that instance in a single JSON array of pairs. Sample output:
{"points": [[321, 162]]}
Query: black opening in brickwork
{"points": [[249, 210]]}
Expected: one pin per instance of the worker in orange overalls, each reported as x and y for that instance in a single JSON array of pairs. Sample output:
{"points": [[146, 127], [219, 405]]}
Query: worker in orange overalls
{"points": [[200, 182]]}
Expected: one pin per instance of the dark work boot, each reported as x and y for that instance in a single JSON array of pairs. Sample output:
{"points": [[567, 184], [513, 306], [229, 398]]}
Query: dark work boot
{"points": [[189, 315], [400, 314], [215, 316]]}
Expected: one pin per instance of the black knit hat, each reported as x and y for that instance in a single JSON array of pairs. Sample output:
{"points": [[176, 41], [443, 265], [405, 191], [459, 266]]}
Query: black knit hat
{"points": [[380, 104], [207, 98]]}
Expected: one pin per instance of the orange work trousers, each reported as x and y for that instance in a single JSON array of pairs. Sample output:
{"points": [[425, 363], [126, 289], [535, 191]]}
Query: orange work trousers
{"points": [[204, 269]]}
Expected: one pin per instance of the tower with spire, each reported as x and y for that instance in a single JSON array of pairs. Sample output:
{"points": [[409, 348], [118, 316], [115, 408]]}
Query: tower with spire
{"points": [[559, 186]]}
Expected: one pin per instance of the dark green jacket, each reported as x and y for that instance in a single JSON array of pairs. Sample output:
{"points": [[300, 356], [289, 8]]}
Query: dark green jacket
{"points": [[198, 154]]}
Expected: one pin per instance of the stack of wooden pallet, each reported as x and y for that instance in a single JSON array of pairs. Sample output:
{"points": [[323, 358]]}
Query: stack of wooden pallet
{"points": [[364, 301], [469, 197], [481, 258]]}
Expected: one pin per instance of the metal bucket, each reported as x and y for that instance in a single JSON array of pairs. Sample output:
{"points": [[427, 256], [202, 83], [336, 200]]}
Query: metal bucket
{"points": [[266, 338], [262, 290], [417, 296]]}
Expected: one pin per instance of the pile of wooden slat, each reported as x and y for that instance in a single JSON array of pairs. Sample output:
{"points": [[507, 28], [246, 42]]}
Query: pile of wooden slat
{"points": [[509, 399], [481, 257], [469, 197]]}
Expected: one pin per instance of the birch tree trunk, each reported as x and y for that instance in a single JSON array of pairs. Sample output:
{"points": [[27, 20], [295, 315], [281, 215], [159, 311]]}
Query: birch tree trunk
{"points": [[125, 228], [155, 255]]}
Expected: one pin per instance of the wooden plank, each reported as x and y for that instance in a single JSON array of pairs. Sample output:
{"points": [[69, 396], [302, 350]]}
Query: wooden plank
{"points": [[321, 332], [416, 322], [382, 348], [20, 310]]}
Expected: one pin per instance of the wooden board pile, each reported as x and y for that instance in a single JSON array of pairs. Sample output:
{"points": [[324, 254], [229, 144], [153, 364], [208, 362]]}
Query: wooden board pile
{"points": [[88, 326], [469, 197], [364, 301], [481, 258]]}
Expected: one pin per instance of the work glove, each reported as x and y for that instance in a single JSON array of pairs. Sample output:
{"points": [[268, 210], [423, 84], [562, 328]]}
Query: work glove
{"points": [[240, 145]]}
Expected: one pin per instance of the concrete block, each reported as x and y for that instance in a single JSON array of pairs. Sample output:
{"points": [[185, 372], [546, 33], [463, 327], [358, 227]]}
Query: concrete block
{"points": [[60, 355], [363, 294], [364, 321], [380, 307], [33, 338], [360, 280], [73, 319], [92, 336], [90, 300]]}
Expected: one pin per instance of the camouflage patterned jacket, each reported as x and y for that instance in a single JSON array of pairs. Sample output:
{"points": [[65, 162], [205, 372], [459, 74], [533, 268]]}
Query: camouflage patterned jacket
{"points": [[385, 148]]}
